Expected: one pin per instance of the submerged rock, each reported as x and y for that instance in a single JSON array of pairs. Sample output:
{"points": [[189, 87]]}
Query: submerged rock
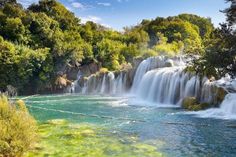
{"points": [[57, 122], [88, 140]]}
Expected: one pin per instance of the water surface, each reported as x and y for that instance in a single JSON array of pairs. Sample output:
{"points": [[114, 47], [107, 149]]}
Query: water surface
{"points": [[166, 129]]}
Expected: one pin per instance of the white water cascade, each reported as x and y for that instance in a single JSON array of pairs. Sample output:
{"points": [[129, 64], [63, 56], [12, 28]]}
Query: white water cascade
{"points": [[153, 63], [107, 83], [163, 83], [227, 109]]}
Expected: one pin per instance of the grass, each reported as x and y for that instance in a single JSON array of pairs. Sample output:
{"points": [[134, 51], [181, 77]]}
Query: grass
{"points": [[18, 130]]}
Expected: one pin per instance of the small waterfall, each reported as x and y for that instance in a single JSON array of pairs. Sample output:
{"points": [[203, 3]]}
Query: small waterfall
{"points": [[103, 87], [75, 87], [227, 109], [228, 106], [107, 83]]}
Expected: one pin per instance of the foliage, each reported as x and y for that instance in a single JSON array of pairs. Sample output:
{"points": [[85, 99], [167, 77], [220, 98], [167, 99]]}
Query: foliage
{"points": [[103, 70], [220, 56], [17, 127], [20, 62], [36, 43]]}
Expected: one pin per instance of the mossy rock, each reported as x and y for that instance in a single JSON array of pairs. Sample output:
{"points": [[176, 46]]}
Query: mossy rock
{"points": [[191, 104], [205, 105], [220, 95], [103, 71]]}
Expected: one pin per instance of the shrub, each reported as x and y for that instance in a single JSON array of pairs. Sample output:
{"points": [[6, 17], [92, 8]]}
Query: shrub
{"points": [[17, 128], [103, 70]]}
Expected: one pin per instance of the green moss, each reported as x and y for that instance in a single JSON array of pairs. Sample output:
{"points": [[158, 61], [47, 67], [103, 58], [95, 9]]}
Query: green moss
{"points": [[191, 104], [103, 70], [66, 139]]}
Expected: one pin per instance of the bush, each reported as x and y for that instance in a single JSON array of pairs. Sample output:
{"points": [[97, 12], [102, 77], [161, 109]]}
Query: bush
{"points": [[103, 70], [17, 128]]}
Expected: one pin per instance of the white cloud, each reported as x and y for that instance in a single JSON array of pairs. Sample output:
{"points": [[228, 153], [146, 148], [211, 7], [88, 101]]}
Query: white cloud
{"points": [[104, 4], [91, 18], [68, 8], [77, 5], [122, 1], [94, 19], [27, 3]]}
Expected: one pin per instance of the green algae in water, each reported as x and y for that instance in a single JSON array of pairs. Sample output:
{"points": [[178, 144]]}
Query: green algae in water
{"points": [[61, 138]]}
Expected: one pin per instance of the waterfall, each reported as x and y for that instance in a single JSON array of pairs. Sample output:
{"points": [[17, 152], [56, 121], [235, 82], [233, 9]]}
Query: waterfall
{"points": [[75, 86], [228, 106], [227, 109], [168, 85], [153, 63], [107, 83], [159, 80]]}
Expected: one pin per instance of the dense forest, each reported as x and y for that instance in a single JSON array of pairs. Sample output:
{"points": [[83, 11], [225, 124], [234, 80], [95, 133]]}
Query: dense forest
{"points": [[35, 42]]}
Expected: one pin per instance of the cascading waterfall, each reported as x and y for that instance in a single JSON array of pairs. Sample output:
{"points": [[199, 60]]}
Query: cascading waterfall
{"points": [[153, 63], [227, 109], [168, 85], [164, 83], [228, 106], [107, 83], [75, 85]]}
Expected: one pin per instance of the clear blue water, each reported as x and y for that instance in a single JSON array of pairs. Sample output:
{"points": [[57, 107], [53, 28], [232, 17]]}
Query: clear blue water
{"points": [[173, 133]]}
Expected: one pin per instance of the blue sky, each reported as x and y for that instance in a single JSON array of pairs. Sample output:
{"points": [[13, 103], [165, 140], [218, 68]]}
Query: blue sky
{"points": [[120, 13]]}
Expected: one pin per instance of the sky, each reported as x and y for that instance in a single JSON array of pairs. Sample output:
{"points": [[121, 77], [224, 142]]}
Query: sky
{"points": [[118, 14]]}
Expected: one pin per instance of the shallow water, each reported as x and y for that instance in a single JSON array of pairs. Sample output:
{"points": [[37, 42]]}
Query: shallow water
{"points": [[166, 129]]}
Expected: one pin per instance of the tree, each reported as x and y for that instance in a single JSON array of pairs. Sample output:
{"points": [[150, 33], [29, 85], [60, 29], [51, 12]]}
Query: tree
{"points": [[220, 56], [231, 12]]}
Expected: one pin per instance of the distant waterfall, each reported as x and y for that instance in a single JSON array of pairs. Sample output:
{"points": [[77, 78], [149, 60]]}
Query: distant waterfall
{"points": [[107, 83]]}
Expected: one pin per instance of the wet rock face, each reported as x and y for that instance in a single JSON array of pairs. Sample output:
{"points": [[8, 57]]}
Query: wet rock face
{"points": [[86, 70], [220, 94], [11, 91], [62, 82]]}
